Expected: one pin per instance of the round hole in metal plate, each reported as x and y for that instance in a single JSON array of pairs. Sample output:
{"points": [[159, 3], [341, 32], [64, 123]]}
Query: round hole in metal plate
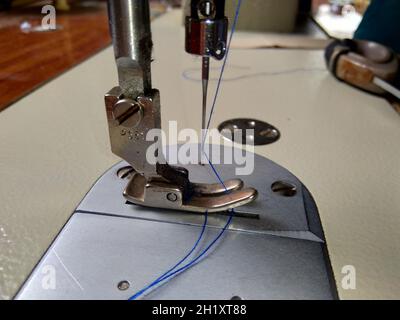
{"points": [[284, 188], [249, 131]]}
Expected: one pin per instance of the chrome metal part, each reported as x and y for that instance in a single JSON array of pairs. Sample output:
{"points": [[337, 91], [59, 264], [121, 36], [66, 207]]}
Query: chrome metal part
{"points": [[123, 285], [133, 110], [205, 75], [206, 197], [128, 129], [130, 30], [206, 28]]}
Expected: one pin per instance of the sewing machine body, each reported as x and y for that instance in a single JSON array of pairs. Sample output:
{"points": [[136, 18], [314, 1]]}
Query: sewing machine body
{"points": [[273, 249]]}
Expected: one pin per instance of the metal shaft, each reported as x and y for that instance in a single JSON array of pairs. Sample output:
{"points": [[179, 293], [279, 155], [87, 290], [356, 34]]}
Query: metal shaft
{"points": [[204, 79], [130, 30]]}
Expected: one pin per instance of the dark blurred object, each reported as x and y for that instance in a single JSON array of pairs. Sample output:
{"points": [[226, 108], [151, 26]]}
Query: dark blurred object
{"points": [[360, 63], [305, 6], [381, 23], [5, 4], [304, 11]]}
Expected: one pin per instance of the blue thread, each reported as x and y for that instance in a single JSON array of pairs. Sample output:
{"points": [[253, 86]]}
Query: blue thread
{"points": [[215, 172], [223, 67], [137, 294], [168, 275], [195, 260]]}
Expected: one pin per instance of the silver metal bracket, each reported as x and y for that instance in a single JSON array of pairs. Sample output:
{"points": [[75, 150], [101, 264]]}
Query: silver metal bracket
{"points": [[161, 185], [205, 197], [133, 110]]}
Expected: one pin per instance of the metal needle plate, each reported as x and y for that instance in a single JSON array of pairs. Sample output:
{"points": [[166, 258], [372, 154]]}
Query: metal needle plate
{"points": [[282, 254]]}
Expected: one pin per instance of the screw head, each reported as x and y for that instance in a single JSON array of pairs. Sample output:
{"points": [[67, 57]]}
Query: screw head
{"points": [[125, 172], [206, 8], [127, 113], [270, 133], [123, 285], [284, 188], [172, 197], [251, 131]]}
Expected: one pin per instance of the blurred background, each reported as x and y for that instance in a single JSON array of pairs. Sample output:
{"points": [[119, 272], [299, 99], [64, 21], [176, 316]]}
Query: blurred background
{"points": [[31, 55]]}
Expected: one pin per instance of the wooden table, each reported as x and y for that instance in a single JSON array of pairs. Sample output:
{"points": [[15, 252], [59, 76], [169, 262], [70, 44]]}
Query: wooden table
{"points": [[29, 59]]}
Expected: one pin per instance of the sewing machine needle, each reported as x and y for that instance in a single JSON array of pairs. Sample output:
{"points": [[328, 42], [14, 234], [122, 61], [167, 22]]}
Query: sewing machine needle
{"points": [[205, 73]]}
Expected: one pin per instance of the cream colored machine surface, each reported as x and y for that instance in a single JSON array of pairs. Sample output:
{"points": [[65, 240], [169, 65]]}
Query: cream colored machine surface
{"points": [[342, 144]]}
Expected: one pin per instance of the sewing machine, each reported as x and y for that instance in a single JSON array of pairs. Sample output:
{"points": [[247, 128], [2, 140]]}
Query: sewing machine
{"points": [[139, 218]]}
